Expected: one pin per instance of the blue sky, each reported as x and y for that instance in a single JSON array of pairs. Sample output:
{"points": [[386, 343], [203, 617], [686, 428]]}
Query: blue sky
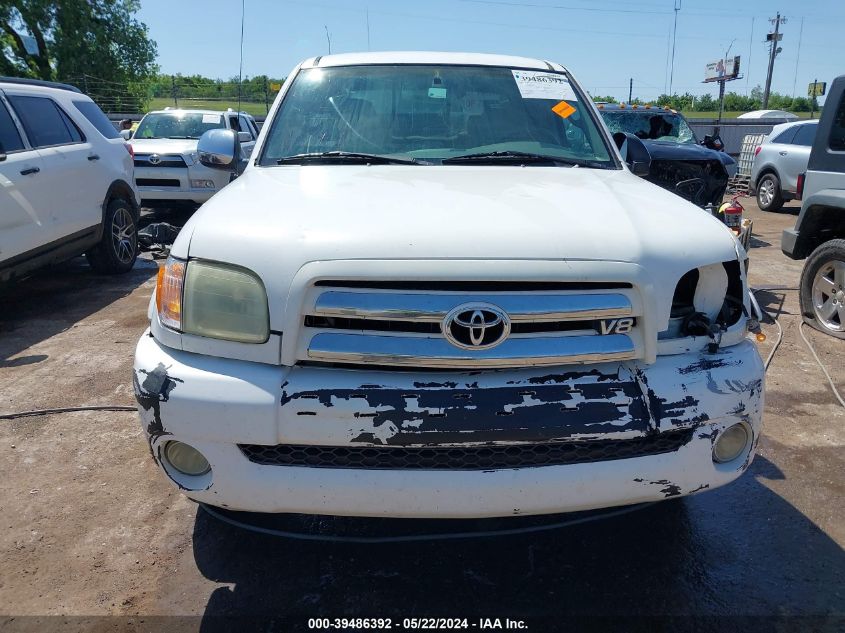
{"points": [[604, 42]]}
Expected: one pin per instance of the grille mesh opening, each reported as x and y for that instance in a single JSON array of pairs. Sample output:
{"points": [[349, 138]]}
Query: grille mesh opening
{"points": [[464, 457]]}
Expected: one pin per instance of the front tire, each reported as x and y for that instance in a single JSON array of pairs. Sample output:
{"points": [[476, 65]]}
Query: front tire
{"points": [[118, 248], [823, 289], [769, 196]]}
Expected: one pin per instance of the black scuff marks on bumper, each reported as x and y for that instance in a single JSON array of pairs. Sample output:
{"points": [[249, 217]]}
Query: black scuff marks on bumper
{"points": [[150, 393]]}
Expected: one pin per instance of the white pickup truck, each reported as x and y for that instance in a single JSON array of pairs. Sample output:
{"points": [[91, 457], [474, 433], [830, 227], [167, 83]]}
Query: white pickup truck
{"points": [[440, 290]]}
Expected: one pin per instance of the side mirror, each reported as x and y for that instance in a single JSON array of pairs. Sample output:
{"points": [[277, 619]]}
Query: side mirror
{"points": [[126, 134], [244, 137], [634, 153], [219, 149]]}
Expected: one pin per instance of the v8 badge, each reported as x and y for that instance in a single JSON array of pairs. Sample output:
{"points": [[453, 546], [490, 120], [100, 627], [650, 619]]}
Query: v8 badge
{"points": [[616, 326]]}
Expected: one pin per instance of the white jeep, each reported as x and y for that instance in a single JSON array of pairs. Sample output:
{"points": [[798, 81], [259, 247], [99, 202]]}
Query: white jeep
{"points": [[167, 171], [438, 290]]}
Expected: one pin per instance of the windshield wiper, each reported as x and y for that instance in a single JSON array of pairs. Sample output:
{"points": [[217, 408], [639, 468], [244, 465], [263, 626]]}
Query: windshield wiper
{"points": [[346, 157], [518, 158]]}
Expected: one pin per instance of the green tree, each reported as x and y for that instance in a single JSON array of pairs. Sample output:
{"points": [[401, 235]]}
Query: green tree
{"points": [[706, 103], [97, 45], [607, 99]]}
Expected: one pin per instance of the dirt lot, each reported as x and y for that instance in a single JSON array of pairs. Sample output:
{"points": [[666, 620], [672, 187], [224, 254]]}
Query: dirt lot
{"points": [[93, 529]]}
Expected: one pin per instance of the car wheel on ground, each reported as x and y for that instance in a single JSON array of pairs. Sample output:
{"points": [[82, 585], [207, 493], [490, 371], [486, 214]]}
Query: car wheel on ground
{"points": [[823, 289], [118, 248], [769, 197]]}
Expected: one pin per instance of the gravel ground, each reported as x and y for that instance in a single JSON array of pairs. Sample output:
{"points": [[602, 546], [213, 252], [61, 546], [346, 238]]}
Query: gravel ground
{"points": [[92, 529]]}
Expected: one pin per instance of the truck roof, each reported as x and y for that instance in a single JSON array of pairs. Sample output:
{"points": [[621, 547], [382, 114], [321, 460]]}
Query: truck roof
{"points": [[428, 57]]}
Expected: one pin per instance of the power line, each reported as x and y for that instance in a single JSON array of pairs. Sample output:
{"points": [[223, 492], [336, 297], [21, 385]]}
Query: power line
{"points": [[567, 8], [677, 7], [797, 57], [241, 68]]}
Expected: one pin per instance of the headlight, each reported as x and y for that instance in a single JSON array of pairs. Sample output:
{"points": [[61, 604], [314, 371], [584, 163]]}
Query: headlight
{"points": [[214, 300], [711, 294], [169, 293]]}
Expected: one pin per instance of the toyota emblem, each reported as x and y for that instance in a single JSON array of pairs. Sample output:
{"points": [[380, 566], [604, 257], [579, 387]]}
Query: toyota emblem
{"points": [[476, 326], [154, 159]]}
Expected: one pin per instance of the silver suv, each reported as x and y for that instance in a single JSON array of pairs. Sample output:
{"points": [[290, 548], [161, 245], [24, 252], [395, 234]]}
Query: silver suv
{"points": [[167, 171], [778, 162]]}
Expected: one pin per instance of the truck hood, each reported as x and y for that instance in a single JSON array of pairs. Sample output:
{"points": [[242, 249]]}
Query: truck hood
{"points": [[163, 145], [275, 220], [666, 150]]}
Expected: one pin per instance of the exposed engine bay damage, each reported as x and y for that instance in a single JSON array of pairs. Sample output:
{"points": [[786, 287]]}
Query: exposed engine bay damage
{"points": [[699, 181]]}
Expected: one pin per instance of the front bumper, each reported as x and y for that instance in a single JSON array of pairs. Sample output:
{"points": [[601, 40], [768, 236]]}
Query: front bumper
{"points": [[216, 404], [174, 183]]}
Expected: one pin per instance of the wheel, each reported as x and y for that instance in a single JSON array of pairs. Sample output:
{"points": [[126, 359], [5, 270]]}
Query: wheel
{"points": [[118, 248], [769, 197], [823, 289]]}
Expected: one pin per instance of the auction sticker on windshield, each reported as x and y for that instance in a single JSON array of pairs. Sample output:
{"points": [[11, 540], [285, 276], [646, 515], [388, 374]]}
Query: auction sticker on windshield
{"points": [[538, 85]]}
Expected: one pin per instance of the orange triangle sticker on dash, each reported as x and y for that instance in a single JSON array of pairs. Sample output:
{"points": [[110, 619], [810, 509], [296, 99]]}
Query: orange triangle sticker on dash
{"points": [[563, 109]]}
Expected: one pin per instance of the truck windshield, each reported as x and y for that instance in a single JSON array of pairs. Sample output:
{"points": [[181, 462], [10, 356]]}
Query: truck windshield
{"points": [[431, 113], [177, 124], [655, 125]]}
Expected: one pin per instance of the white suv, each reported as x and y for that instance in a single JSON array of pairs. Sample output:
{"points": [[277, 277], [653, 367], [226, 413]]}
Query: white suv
{"points": [[66, 184], [440, 290], [167, 172]]}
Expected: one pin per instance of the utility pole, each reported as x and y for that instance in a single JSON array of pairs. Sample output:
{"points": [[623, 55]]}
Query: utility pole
{"points": [[173, 89], [677, 7], [328, 38], [266, 95], [774, 49], [630, 89]]}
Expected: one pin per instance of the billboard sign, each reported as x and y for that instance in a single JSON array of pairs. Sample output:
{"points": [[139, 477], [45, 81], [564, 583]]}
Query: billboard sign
{"points": [[722, 70], [817, 89]]}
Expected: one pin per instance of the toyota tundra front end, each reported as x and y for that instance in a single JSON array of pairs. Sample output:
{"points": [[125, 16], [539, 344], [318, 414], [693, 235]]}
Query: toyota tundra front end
{"points": [[439, 291]]}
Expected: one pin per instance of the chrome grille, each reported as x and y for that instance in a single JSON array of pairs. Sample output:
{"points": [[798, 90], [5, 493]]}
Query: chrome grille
{"points": [[166, 160], [401, 323]]}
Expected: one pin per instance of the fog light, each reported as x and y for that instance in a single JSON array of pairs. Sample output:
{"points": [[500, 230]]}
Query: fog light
{"points": [[186, 459], [202, 184], [731, 443]]}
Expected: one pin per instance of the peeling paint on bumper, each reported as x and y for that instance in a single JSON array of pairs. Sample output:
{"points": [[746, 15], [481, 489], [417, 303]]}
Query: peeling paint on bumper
{"points": [[215, 404]]}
